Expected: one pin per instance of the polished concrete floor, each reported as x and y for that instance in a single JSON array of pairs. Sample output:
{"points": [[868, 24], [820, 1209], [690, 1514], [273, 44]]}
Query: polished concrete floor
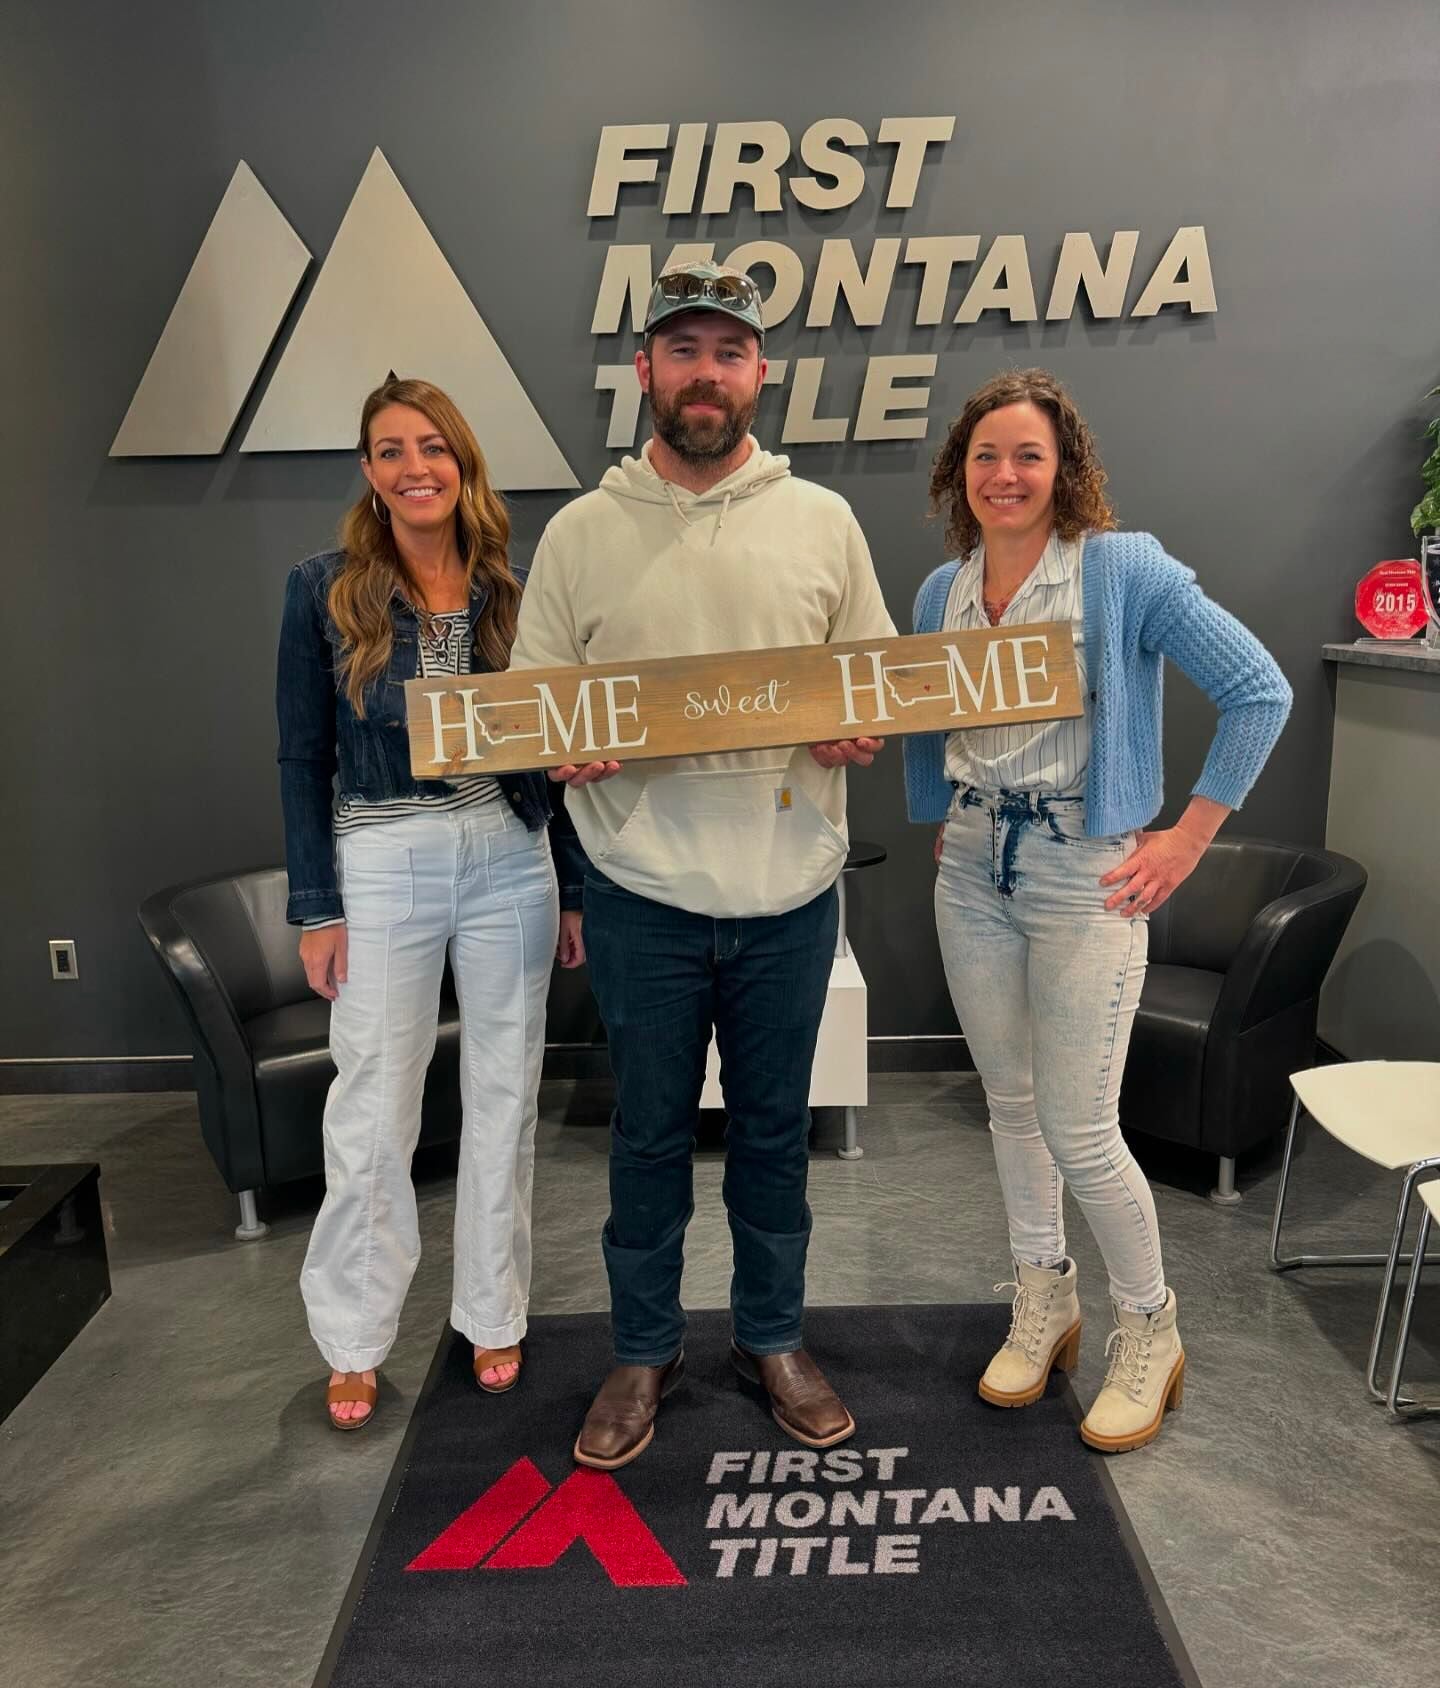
{"points": [[176, 1511]]}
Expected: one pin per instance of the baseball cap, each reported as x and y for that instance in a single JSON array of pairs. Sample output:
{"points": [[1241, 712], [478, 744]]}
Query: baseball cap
{"points": [[705, 286]]}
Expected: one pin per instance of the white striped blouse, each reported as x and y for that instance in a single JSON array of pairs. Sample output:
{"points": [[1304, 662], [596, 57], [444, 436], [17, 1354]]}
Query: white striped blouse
{"points": [[1048, 756], [444, 649]]}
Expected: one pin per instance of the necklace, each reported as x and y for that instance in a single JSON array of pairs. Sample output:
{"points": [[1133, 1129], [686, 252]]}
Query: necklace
{"points": [[438, 629], [996, 607]]}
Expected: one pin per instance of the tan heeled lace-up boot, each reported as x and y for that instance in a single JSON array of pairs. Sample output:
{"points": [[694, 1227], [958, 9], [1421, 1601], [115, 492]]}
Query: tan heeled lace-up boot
{"points": [[1145, 1379], [1044, 1333]]}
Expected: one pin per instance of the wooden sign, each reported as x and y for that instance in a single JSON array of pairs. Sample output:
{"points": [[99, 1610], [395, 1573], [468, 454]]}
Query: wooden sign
{"points": [[740, 700]]}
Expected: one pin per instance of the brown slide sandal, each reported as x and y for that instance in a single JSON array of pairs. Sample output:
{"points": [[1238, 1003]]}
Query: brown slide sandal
{"points": [[352, 1387], [486, 1359]]}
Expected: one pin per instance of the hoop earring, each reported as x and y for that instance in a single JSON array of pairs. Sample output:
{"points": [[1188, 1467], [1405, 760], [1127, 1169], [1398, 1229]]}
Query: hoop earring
{"points": [[384, 520]]}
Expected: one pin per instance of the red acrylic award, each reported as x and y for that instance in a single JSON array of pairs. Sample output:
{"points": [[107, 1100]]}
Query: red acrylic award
{"points": [[1389, 601]]}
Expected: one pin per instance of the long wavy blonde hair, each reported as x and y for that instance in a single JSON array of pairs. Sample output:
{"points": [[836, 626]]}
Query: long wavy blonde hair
{"points": [[373, 571]]}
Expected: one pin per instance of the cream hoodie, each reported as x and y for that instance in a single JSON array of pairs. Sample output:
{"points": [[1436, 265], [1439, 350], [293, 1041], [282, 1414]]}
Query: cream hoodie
{"points": [[642, 568]]}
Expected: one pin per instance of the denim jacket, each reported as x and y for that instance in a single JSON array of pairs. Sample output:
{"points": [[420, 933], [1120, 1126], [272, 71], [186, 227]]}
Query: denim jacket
{"points": [[321, 736]]}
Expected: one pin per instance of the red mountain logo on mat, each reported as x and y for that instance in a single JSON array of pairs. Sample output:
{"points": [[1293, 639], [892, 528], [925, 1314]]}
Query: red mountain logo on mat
{"points": [[588, 1506]]}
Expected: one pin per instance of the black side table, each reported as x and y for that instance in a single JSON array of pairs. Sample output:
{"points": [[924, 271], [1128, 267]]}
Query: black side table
{"points": [[54, 1271]]}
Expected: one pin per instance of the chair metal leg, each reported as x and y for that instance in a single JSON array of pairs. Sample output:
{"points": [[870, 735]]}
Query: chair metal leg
{"points": [[1283, 1263], [1417, 1174], [1391, 1262], [851, 1149], [1403, 1406], [1225, 1194], [1277, 1263], [1387, 1285], [251, 1226]]}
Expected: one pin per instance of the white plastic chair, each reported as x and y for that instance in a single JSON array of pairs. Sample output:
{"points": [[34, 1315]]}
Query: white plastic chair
{"points": [[1388, 1112]]}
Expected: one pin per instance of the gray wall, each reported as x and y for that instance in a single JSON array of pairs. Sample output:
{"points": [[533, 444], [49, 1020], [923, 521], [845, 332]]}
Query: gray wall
{"points": [[1382, 998], [1273, 446]]}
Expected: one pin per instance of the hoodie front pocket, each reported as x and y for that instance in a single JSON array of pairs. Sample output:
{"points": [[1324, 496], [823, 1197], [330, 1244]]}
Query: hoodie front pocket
{"points": [[726, 840]]}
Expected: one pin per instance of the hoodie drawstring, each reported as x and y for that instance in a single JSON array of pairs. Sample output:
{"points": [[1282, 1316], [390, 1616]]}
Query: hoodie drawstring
{"points": [[675, 504], [679, 510]]}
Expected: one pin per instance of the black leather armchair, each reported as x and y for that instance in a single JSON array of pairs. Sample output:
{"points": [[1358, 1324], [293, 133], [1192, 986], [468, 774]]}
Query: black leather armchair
{"points": [[1237, 959], [262, 1037]]}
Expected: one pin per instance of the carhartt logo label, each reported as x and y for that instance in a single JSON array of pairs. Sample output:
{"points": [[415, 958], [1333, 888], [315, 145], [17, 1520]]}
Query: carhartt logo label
{"points": [[588, 1507], [386, 299]]}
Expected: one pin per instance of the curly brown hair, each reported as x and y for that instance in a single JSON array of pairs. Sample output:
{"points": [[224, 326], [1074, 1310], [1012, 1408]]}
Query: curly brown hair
{"points": [[373, 572], [1080, 502]]}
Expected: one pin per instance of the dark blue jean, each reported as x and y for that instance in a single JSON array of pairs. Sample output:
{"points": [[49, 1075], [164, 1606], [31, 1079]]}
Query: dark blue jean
{"points": [[663, 978]]}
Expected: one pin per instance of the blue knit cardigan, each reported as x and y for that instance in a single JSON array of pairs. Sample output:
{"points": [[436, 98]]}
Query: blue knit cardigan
{"points": [[1140, 606]]}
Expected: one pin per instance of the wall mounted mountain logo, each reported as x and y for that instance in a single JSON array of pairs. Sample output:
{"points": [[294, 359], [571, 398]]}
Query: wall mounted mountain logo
{"points": [[235, 301], [588, 1506]]}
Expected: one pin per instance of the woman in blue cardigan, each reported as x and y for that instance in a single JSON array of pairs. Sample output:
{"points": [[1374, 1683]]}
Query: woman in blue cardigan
{"points": [[1047, 875]]}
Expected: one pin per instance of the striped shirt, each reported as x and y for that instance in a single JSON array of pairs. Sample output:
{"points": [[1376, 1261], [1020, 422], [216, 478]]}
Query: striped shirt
{"points": [[444, 649], [1048, 756]]}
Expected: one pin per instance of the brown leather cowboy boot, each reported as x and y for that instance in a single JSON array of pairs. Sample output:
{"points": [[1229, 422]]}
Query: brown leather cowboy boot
{"points": [[802, 1403], [621, 1422]]}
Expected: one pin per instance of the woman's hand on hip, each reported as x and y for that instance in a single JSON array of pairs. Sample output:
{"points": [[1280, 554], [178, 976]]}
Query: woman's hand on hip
{"points": [[570, 950], [1163, 860], [325, 956], [939, 843], [1150, 873]]}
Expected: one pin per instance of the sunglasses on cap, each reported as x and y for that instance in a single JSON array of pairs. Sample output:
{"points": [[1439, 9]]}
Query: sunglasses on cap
{"points": [[733, 292]]}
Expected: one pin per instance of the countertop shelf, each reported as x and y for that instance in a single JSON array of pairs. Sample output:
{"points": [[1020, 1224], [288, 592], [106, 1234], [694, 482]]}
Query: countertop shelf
{"points": [[1412, 654]]}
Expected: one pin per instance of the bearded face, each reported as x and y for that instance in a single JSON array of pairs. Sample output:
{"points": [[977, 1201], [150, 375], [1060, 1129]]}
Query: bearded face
{"points": [[701, 422], [704, 386]]}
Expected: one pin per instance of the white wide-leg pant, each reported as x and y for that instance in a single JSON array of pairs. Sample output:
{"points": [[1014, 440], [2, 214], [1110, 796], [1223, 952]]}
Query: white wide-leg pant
{"points": [[475, 881]]}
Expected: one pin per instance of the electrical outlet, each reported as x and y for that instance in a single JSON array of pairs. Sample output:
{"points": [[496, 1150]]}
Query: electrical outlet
{"points": [[63, 964]]}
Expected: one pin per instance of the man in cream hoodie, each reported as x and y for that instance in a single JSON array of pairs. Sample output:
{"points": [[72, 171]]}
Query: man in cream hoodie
{"points": [[710, 898]]}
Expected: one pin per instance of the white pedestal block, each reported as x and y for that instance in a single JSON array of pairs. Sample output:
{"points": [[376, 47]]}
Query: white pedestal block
{"points": [[840, 1077]]}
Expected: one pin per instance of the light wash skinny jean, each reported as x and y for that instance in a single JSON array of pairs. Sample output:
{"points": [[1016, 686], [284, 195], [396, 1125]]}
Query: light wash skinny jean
{"points": [[1046, 982], [477, 882]]}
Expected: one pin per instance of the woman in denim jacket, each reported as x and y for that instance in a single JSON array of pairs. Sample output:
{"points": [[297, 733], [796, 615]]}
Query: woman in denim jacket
{"points": [[1047, 876], [387, 872]]}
